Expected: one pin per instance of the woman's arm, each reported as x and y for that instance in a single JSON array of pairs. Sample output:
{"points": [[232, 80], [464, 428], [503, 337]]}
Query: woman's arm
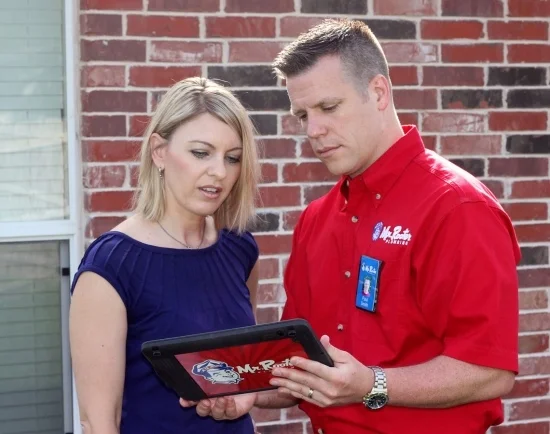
{"points": [[98, 339]]}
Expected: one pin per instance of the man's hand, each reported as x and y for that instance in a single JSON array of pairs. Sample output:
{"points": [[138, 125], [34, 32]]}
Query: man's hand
{"points": [[345, 383], [223, 408]]}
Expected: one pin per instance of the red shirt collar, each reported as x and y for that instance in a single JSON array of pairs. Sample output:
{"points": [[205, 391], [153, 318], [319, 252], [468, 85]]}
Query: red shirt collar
{"points": [[380, 177]]}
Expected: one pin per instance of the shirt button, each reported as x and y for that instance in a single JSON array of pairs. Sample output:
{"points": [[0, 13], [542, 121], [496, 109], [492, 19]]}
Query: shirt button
{"points": [[347, 274], [355, 219], [378, 196], [340, 327], [320, 431]]}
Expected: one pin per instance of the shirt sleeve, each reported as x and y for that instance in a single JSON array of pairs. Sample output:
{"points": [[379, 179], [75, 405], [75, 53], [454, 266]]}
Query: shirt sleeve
{"points": [[104, 258], [468, 285]]}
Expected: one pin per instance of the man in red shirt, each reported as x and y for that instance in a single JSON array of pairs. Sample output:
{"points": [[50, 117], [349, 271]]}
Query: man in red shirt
{"points": [[407, 264]]}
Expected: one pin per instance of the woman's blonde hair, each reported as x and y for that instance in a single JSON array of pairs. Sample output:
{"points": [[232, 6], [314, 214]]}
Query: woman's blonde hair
{"points": [[183, 102]]}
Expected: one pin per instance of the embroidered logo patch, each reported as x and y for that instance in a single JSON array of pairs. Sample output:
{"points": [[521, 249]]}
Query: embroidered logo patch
{"points": [[395, 235], [377, 231]]}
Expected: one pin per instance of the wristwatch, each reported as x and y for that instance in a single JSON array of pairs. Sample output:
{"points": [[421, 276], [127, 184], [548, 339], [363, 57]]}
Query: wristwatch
{"points": [[378, 396]]}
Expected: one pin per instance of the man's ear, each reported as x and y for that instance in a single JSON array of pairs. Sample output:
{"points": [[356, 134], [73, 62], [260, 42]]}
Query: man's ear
{"points": [[158, 150], [381, 89]]}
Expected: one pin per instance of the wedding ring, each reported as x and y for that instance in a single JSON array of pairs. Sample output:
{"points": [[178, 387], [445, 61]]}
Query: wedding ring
{"points": [[310, 393]]}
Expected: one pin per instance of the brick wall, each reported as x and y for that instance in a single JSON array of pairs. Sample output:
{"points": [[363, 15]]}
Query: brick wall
{"points": [[472, 74]]}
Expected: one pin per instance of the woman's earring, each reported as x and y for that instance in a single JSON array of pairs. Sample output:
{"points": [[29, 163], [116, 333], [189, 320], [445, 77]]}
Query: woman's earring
{"points": [[161, 172]]}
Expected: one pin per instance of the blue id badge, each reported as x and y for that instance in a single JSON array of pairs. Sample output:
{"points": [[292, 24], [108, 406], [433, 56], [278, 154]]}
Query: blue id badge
{"points": [[367, 285]]}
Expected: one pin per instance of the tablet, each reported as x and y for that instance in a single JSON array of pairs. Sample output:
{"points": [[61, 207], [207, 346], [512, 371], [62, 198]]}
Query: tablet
{"points": [[233, 361]]}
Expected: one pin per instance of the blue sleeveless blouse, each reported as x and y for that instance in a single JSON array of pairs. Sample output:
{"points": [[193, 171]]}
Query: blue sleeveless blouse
{"points": [[167, 293]]}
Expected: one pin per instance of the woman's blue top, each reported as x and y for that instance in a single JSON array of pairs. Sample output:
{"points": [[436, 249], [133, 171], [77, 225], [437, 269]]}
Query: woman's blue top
{"points": [[167, 293]]}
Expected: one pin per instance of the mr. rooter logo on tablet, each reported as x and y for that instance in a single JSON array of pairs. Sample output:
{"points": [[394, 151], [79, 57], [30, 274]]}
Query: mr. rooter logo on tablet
{"points": [[239, 368]]}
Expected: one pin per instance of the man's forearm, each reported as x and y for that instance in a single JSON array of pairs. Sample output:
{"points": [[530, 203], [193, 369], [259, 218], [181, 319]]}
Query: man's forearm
{"points": [[273, 399], [445, 382]]}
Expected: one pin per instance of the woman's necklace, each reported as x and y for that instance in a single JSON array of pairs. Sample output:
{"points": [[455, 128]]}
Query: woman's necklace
{"points": [[182, 243]]}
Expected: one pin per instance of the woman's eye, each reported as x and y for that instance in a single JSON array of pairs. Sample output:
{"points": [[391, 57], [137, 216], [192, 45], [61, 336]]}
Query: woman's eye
{"points": [[200, 154], [233, 160]]}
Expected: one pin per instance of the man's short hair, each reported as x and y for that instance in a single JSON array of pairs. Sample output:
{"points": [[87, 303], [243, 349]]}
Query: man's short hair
{"points": [[353, 41]]}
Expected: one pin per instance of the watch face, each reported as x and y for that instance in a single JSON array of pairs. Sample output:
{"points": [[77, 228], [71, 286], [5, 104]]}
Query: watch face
{"points": [[377, 401]]}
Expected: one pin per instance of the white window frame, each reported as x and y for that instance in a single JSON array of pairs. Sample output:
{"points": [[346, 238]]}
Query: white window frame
{"points": [[71, 229]]}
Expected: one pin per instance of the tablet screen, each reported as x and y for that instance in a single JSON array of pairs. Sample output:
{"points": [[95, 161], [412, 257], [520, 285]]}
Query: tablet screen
{"points": [[239, 368]]}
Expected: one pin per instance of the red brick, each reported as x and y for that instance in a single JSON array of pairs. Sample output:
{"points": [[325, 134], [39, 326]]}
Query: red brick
{"points": [[430, 142], [306, 172], [269, 268], [471, 145], [293, 26], [99, 225], [110, 4], [532, 409], [409, 99], [186, 52], [472, 8], [185, 5], [316, 191], [240, 27], [267, 314], [103, 126], [408, 118], [531, 53], [533, 277], [531, 8], [284, 428], [161, 76], [110, 150], [291, 125], [260, 6], [290, 219], [532, 344], [108, 201], [533, 233], [453, 122], [529, 388], [522, 428], [278, 148], [134, 176], [517, 121], [280, 196], [413, 52], [404, 75], [533, 299], [409, 7], [138, 125], [274, 244], [114, 101], [306, 151], [104, 176], [156, 25], [100, 24], [534, 365], [527, 189], [453, 76], [472, 53], [534, 322], [265, 415], [113, 50], [521, 211], [443, 29], [517, 30], [512, 166], [496, 187], [270, 173], [254, 51], [102, 76]]}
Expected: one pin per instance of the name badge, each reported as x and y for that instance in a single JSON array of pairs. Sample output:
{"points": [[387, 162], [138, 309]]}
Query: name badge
{"points": [[367, 285]]}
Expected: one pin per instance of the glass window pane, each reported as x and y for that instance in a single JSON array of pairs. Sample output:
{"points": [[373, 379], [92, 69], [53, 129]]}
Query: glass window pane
{"points": [[32, 131], [31, 369]]}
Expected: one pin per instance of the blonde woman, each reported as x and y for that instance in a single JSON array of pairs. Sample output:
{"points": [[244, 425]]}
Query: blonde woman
{"points": [[183, 263]]}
